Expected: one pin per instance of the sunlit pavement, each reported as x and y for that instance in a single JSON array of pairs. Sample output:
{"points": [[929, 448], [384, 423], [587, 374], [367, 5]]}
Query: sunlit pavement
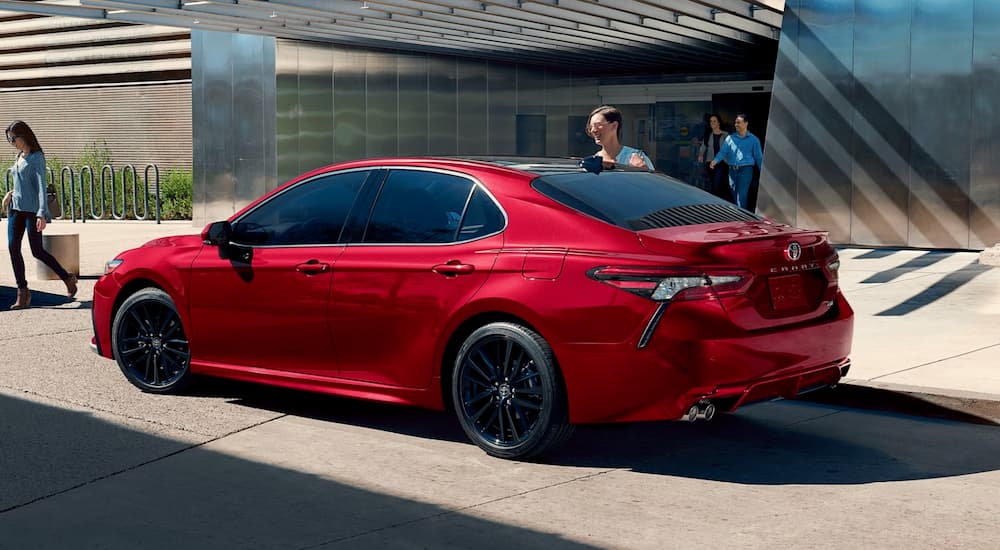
{"points": [[88, 461]]}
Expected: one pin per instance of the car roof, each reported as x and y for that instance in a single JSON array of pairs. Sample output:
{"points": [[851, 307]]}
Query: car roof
{"points": [[541, 165]]}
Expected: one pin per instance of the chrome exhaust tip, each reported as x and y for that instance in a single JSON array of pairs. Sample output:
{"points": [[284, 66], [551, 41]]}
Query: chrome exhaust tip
{"points": [[702, 410]]}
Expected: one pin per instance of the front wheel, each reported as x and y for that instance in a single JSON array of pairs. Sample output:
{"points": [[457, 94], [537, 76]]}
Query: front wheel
{"points": [[149, 343], [508, 393]]}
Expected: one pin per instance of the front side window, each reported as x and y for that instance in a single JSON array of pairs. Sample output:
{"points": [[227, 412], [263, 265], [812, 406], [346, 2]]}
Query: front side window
{"points": [[311, 213], [418, 206]]}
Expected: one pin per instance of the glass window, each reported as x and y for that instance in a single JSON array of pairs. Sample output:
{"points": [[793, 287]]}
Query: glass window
{"points": [[638, 200], [482, 217], [312, 212], [418, 206]]}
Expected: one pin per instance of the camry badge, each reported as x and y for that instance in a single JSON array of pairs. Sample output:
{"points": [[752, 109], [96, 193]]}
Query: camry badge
{"points": [[794, 251]]}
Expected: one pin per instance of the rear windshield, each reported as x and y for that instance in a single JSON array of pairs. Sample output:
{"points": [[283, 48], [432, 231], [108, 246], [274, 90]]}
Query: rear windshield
{"points": [[638, 200]]}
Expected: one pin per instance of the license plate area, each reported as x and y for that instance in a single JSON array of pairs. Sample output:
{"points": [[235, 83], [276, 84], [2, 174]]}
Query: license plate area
{"points": [[787, 292]]}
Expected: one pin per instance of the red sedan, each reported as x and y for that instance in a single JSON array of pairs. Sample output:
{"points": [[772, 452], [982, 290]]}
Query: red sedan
{"points": [[526, 296]]}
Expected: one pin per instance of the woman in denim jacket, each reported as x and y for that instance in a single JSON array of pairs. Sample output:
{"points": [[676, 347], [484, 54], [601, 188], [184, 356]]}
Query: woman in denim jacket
{"points": [[28, 211]]}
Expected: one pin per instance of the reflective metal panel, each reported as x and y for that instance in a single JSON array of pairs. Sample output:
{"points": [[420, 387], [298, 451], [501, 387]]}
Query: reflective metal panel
{"points": [[530, 91], [984, 190], [558, 107], [778, 191], [315, 106], [502, 93], [349, 104], [382, 105], [412, 136], [941, 65], [881, 122], [472, 108], [199, 134], [287, 119], [251, 105], [824, 96], [214, 126], [441, 106]]}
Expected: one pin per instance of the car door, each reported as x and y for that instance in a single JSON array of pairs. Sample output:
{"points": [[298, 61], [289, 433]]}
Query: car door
{"points": [[429, 245], [262, 302]]}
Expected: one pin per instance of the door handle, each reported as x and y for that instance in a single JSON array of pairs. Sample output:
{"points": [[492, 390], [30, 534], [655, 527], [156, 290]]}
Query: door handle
{"points": [[454, 267], [312, 267]]}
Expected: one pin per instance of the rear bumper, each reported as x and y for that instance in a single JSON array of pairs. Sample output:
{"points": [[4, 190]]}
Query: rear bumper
{"points": [[619, 382]]}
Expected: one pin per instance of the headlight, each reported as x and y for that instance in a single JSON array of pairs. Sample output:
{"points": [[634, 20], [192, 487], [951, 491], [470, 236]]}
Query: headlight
{"points": [[112, 265]]}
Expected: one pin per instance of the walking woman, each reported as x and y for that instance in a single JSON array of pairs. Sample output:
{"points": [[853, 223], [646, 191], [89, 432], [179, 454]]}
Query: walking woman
{"points": [[28, 211]]}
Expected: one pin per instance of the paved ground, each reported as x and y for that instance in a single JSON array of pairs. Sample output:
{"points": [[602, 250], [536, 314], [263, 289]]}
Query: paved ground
{"points": [[86, 461]]}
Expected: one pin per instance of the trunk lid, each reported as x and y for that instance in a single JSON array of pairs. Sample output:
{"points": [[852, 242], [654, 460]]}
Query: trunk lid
{"points": [[794, 270]]}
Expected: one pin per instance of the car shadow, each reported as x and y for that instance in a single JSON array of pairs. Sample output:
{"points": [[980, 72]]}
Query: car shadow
{"points": [[771, 443]]}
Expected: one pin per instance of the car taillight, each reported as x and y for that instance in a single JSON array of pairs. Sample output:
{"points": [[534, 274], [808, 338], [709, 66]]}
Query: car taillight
{"points": [[663, 284], [833, 268]]}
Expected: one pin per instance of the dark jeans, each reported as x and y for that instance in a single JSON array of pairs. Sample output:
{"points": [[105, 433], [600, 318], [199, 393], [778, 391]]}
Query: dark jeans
{"points": [[717, 182], [16, 225]]}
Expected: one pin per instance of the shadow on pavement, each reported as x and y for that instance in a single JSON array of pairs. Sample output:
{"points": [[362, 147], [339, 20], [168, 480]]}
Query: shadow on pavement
{"points": [[8, 295], [776, 443], [71, 480]]}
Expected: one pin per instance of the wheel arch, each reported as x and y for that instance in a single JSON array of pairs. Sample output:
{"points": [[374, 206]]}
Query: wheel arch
{"points": [[462, 332]]}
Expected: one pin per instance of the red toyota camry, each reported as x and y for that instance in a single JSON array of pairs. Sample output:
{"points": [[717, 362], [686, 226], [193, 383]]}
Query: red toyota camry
{"points": [[528, 296]]}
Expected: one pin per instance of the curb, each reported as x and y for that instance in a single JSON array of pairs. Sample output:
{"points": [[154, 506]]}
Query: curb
{"points": [[956, 406]]}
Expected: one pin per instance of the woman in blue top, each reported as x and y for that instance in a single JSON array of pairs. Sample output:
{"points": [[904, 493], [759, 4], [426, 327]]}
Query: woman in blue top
{"points": [[29, 211], [605, 126]]}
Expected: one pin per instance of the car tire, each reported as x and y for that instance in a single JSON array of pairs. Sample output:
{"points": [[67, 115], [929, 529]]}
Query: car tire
{"points": [[508, 393], [149, 343]]}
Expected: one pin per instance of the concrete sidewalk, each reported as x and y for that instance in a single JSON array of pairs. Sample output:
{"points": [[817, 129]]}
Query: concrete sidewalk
{"points": [[927, 322]]}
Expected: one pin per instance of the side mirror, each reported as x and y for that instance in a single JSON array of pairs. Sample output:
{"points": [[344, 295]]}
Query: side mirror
{"points": [[217, 233]]}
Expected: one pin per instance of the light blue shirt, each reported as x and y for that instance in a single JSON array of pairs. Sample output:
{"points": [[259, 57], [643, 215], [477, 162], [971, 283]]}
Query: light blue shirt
{"points": [[741, 151], [626, 153], [29, 185]]}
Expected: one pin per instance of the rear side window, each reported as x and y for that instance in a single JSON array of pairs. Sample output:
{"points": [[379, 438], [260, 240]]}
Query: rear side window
{"points": [[638, 200], [418, 206]]}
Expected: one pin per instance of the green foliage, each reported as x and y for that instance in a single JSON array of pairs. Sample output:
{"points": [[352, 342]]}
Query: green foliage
{"points": [[175, 187]]}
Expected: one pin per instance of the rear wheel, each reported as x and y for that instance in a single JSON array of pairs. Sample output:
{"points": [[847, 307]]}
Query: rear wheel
{"points": [[508, 393], [149, 343]]}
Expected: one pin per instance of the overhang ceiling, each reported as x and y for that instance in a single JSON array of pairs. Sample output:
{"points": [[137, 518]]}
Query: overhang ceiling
{"points": [[588, 36]]}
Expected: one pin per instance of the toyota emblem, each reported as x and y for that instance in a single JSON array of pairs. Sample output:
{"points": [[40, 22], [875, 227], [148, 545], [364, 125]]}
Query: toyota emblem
{"points": [[794, 251]]}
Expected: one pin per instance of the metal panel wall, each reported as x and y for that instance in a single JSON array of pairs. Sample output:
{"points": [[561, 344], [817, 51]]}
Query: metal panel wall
{"points": [[779, 175], [884, 95], [389, 103], [941, 66], [826, 55], [233, 106], [473, 116], [381, 110], [349, 121], [984, 191], [881, 122], [413, 97], [315, 107]]}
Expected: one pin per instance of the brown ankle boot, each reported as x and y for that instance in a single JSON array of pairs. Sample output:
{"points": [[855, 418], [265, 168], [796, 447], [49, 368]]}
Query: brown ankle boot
{"points": [[23, 299], [70, 285]]}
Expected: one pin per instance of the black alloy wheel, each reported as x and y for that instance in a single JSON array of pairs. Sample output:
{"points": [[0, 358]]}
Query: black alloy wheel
{"points": [[149, 343], [508, 393]]}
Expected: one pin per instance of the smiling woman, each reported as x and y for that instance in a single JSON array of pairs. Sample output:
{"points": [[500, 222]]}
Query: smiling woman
{"points": [[605, 125]]}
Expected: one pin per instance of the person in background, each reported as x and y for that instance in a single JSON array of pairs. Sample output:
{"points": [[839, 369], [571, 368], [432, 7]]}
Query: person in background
{"points": [[28, 211], [605, 125], [742, 152], [714, 138]]}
